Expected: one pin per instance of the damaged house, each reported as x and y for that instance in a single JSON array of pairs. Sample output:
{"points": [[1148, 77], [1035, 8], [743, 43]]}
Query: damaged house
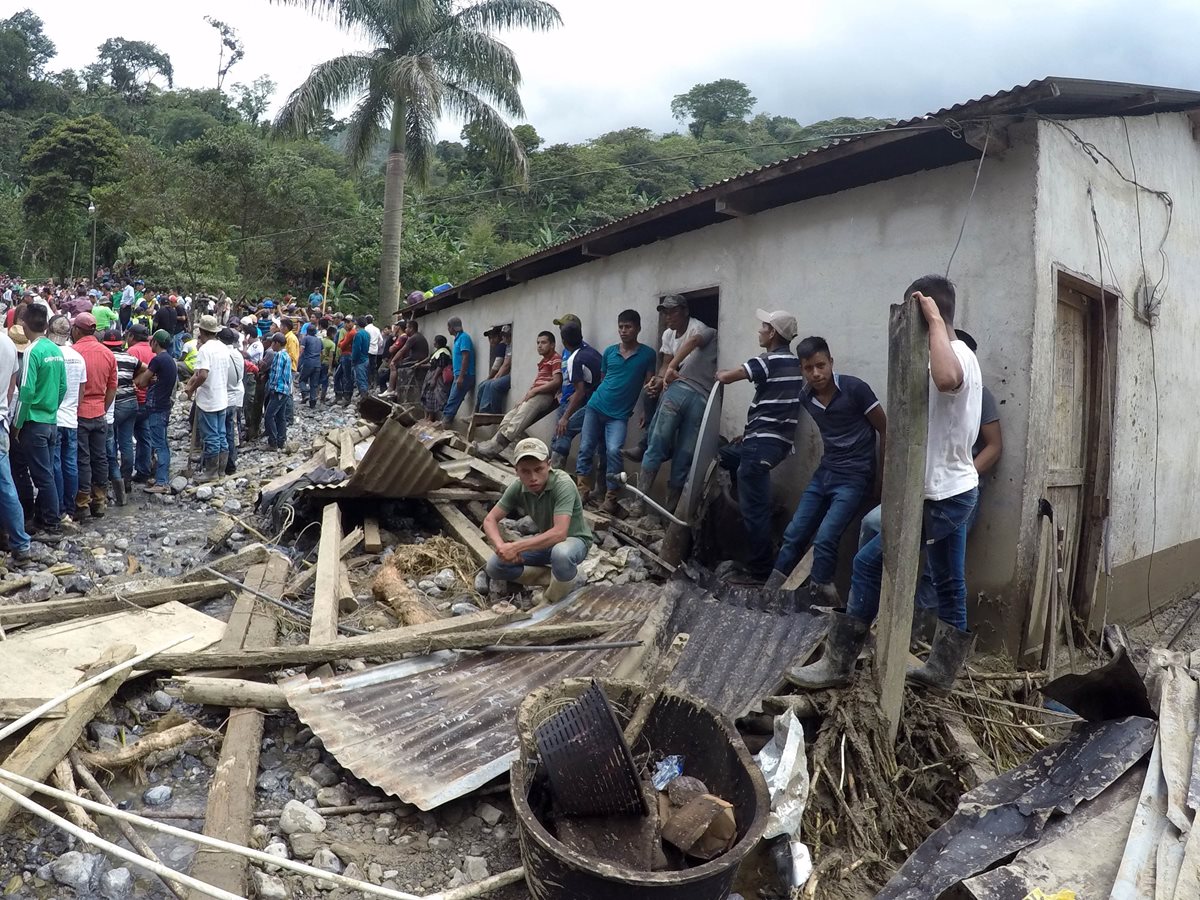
{"points": [[1066, 208]]}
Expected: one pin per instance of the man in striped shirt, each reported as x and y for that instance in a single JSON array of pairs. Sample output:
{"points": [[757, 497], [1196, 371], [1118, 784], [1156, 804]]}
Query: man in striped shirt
{"points": [[770, 429]]}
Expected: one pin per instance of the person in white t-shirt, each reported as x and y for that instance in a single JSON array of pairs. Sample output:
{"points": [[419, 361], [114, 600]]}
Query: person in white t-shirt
{"points": [[951, 495], [12, 516], [237, 397], [210, 384], [66, 448]]}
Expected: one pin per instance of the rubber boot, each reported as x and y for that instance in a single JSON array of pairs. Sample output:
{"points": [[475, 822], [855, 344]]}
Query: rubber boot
{"points": [[846, 637], [99, 500], [557, 590], [490, 449], [610, 504], [775, 581], [118, 486], [924, 626], [824, 594], [557, 460], [673, 495], [83, 500], [208, 470], [586, 484], [447, 424], [535, 576], [951, 649], [222, 463]]}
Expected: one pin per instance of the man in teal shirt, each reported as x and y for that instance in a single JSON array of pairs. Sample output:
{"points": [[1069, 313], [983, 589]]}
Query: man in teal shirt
{"points": [[625, 369], [463, 362]]}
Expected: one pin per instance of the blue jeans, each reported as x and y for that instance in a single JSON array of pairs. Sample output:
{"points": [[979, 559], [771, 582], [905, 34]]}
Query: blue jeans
{"points": [[823, 515], [562, 445], [37, 443], [458, 393], [276, 419], [12, 515], [563, 559], [753, 461], [362, 377], [343, 377], [156, 429], [676, 424], [601, 431], [231, 434], [310, 381], [66, 466], [177, 345], [212, 433], [323, 380], [649, 410], [141, 437], [492, 393], [945, 527], [124, 420]]}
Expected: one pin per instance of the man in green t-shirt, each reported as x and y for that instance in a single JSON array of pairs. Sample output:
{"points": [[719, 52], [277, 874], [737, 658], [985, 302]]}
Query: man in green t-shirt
{"points": [[550, 498], [104, 315]]}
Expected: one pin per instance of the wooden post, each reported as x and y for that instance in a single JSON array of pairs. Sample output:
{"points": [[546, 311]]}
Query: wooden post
{"points": [[372, 542], [903, 500], [329, 561], [325, 295]]}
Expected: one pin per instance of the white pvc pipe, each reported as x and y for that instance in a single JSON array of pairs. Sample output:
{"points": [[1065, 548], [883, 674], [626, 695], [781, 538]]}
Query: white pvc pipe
{"points": [[31, 716], [163, 828], [120, 852]]}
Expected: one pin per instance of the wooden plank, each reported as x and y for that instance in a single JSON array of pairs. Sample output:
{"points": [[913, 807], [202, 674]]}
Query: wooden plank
{"points": [[231, 798], [903, 500], [220, 531], [47, 743], [346, 452], [380, 645], [323, 628], [13, 708], [457, 495], [62, 610], [232, 563], [235, 693], [345, 593], [300, 583], [243, 610], [803, 570], [292, 475], [372, 542], [465, 530]]}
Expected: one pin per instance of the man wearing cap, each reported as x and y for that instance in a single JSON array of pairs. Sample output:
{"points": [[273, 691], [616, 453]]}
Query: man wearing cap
{"points": [[158, 380], [99, 391], [237, 398], [537, 403], [462, 364], [360, 357], [139, 348], [42, 388], [581, 374], [104, 315], [210, 385], [687, 369], [770, 430], [311, 348], [549, 497], [66, 445], [493, 391], [279, 389], [124, 412]]}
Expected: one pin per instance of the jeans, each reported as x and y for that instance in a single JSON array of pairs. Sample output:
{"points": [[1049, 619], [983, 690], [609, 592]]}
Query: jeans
{"points": [[492, 393], [177, 345], [124, 419], [21, 479], [212, 433], [649, 410], [93, 454], [676, 424], [141, 437], [323, 380], [66, 466], [37, 442], [343, 377], [458, 393], [945, 526], [604, 431], [310, 381], [562, 445], [563, 558], [12, 516], [231, 434], [753, 461], [156, 429], [518, 419], [823, 515], [362, 377], [276, 419]]}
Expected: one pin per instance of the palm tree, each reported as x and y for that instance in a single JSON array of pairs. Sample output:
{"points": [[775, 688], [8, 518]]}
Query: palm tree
{"points": [[431, 57]]}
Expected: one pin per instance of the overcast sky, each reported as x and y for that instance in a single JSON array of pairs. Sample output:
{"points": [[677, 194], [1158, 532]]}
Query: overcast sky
{"points": [[616, 63]]}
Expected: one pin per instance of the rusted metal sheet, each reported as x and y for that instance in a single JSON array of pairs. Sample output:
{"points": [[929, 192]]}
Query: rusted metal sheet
{"points": [[396, 465], [431, 730]]}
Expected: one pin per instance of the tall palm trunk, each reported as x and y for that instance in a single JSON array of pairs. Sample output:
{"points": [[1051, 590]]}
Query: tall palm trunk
{"points": [[393, 218]]}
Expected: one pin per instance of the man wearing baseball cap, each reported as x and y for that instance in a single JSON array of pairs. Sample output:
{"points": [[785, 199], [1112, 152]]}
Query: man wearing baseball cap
{"points": [[770, 430], [210, 384], [549, 497], [493, 391], [99, 392]]}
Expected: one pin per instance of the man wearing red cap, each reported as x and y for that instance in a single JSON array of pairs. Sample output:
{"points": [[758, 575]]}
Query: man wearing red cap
{"points": [[99, 391]]}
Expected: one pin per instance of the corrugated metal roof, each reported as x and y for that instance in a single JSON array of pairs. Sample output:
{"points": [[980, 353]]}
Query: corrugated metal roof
{"points": [[396, 464], [932, 145]]}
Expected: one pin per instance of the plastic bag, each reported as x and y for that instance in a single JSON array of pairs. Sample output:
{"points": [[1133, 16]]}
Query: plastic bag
{"points": [[784, 764]]}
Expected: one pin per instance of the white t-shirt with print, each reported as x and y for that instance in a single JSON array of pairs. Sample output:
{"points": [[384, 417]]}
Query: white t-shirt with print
{"points": [[953, 428], [213, 395], [700, 368], [68, 410]]}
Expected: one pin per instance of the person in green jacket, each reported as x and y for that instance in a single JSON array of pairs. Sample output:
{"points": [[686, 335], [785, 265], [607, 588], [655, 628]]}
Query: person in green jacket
{"points": [[43, 386]]}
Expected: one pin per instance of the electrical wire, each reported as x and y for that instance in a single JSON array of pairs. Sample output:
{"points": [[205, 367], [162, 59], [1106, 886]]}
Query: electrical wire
{"points": [[970, 199]]}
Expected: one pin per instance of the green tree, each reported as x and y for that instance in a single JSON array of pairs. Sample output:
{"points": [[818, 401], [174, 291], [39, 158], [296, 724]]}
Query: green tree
{"points": [[431, 57], [24, 52], [231, 44], [714, 103], [123, 63]]}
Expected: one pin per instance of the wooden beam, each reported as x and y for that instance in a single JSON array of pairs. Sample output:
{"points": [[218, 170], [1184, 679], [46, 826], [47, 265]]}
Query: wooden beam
{"points": [[993, 135], [728, 208], [47, 743], [63, 610], [346, 603], [231, 798], [323, 628], [372, 542], [235, 693], [465, 530], [301, 582], [231, 563], [380, 645], [803, 570], [903, 500], [346, 452], [590, 250]]}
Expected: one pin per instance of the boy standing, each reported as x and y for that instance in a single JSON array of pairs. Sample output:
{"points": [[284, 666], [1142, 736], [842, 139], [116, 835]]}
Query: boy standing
{"points": [[849, 417], [42, 388], [951, 495]]}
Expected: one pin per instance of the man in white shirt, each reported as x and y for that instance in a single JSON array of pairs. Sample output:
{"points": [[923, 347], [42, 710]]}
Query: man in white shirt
{"points": [[210, 385], [951, 495], [66, 448], [375, 351], [12, 516], [237, 397]]}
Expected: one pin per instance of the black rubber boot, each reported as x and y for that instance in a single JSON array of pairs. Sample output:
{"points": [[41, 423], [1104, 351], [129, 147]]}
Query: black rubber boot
{"points": [[951, 649], [924, 625], [846, 637]]}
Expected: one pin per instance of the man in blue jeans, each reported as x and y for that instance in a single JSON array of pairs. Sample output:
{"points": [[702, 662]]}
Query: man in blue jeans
{"points": [[770, 430], [360, 357], [279, 388], [951, 496], [849, 417], [12, 515], [549, 497], [210, 385], [625, 368], [462, 360], [158, 380], [580, 375], [43, 385]]}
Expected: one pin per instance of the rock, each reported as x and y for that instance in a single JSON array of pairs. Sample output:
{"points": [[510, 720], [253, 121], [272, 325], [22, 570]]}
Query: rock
{"points": [[269, 780], [305, 788], [458, 878], [440, 843], [327, 860], [481, 582], [75, 869], [382, 836], [158, 796], [526, 526], [298, 818], [160, 701], [178, 484], [232, 505], [476, 868], [101, 731], [204, 493], [304, 845], [116, 884], [445, 579], [268, 887], [275, 848], [323, 775], [428, 587], [77, 584], [333, 796], [353, 871], [121, 544], [489, 814]]}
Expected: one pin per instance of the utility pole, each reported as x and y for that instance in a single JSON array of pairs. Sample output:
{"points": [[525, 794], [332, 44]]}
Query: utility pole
{"points": [[92, 213]]}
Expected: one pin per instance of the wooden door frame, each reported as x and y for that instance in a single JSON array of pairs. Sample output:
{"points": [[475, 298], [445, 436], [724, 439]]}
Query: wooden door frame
{"points": [[1101, 383]]}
